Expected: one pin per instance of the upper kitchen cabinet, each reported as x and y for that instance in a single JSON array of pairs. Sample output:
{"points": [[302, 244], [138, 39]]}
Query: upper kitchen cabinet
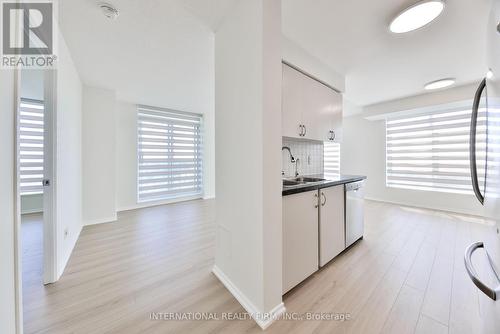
{"points": [[310, 109]]}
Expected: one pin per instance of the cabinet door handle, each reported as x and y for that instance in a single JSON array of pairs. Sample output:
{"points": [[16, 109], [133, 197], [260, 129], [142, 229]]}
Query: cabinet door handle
{"points": [[317, 205], [324, 197], [301, 131], [305, 131], [332, 135]]}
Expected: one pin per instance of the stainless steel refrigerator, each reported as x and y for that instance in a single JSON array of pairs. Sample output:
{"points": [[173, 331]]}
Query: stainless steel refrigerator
{"points": [[482, 258]]}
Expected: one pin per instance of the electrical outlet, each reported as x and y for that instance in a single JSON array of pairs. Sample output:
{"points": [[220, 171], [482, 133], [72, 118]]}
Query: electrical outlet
{"points": [[66, 233]]}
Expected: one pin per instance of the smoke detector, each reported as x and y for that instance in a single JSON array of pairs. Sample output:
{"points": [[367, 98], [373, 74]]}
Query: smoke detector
{"points": [[109, 10]]}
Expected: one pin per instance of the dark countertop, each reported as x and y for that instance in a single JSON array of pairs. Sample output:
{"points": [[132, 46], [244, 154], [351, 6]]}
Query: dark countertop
{"points": [[329, 182]]}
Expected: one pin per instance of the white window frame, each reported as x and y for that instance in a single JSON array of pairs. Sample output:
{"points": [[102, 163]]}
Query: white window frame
{"points": [[331, 159], [29, 126], [439, 161], [169, 179]]}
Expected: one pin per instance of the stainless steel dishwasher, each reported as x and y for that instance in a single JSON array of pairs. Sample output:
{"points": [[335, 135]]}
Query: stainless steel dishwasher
{"points": [[354, 212]]}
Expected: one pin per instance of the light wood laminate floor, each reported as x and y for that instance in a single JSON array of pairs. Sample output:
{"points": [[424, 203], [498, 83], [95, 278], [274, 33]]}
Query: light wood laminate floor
{"points": [[406, 276]]}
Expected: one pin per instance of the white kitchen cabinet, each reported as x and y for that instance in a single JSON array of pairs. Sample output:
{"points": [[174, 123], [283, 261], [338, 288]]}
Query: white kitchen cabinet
{"points": [[328, 113], [331, 223], [300, 237], [310, 109], [292, 102]]}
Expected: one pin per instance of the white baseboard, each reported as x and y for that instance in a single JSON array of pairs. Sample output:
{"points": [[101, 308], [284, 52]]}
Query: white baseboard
{"points": [[424, 207], [100, 221], [263, 319], [157, 203]]}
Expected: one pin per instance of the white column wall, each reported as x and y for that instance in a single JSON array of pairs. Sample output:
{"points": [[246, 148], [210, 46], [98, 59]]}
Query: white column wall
{"points": [[98, 155], [248, 163], [69, 156]]}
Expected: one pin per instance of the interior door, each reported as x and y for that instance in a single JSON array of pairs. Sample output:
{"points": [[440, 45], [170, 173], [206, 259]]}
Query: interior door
{"points": [[49, 161]]}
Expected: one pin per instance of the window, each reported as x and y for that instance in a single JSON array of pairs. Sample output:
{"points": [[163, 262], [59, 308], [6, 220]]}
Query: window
{"points": [[31, 147], [431, 151], [331, 159], [169, 154]]}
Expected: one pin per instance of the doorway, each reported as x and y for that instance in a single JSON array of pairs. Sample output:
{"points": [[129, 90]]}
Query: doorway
{"points": [[35, 174]]}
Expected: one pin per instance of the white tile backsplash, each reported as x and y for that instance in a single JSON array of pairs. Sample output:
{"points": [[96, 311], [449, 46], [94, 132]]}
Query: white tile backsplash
{"points": [[309, 153]]}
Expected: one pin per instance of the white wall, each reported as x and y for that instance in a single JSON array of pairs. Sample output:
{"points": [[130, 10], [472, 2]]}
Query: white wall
{"points": [[98, 155], [69, 154], [7, 254], [363, 152], [209, 149], [248, 159], [272, 231], [126, 156], [31, 203]]}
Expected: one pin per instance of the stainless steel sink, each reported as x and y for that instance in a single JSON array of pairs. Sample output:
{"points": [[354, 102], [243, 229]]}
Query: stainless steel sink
{"points": [[305, 179], [300, 180], [290, 183]]}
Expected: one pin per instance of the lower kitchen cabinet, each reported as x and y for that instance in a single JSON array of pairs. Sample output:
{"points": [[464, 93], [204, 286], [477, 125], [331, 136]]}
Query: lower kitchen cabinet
{"points": [[331, 223], [300, 237]]}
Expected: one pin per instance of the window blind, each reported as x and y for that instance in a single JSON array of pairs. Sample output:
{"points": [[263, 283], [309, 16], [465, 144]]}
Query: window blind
{"points": [[169, 154], [30, 133], [431, 151], [331, 159]]}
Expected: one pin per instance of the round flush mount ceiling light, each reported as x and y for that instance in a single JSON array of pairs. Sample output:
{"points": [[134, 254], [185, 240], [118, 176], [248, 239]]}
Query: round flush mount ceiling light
{"points": [[109, 10], [438, 84], [416, 16]]}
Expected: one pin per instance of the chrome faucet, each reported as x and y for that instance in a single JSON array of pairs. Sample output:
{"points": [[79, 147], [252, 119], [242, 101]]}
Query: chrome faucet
{"points": [[292, 160]]}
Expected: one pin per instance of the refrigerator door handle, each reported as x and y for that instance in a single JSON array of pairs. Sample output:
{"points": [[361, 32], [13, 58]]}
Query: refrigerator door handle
{"points": [[492, 293], [472, 142]]}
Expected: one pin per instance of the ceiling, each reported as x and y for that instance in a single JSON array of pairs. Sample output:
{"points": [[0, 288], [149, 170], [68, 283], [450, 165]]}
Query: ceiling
{"points": [[353, 38], [161, 51], [210, 12], [155, 53]]}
